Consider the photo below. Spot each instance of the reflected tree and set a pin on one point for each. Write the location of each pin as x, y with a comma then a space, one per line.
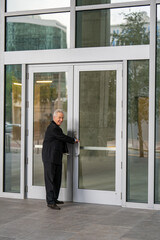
12, 90
135, 31
138, 90
8, 98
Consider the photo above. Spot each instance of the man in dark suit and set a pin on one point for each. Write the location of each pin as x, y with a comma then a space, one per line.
54, 145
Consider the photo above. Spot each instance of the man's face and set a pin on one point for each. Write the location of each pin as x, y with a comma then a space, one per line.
58, 118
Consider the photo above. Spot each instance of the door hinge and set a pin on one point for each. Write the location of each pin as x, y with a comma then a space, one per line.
121, 195
121, 134
26, 188
26, 160
122, 103
27, 75
27, 132
121, 165
27, 104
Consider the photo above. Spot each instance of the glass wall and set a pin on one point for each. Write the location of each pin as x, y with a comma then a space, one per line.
21, 5
97, 130
113, 27
37, 32
157, 121
92, 2
12, 130
137, 147
94, 28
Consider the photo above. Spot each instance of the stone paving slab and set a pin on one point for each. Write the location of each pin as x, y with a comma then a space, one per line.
30, 219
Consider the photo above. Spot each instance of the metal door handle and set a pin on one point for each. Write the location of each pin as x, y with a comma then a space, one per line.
111, 148
77, 149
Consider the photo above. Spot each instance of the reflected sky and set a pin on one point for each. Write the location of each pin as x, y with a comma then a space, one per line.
117, 14
158, 12
116, 17
20, 5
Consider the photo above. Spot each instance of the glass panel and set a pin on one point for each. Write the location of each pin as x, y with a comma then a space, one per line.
157, 122
137, 151
12, 131
97, 130
92, 2
37, 32
21, 5
113, 27
50, 93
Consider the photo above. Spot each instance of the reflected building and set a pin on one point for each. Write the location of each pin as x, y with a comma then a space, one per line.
31, 33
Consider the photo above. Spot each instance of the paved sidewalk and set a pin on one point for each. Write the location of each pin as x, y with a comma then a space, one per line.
33, 220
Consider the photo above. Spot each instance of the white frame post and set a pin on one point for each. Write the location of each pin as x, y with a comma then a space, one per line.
2, 44
124, 127
23, 134
152, 75
72, 24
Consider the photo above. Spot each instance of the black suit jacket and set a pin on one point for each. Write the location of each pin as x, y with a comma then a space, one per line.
54, 144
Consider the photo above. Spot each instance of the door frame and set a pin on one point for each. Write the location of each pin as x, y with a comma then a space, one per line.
93, 196
72, 192
39, 191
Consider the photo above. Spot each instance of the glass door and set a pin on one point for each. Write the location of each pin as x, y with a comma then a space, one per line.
98, 123
49, 88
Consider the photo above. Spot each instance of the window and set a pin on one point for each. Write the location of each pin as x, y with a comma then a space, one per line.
21, 5
92, 2
12, 130
113, 27
157, 122
137, 151
97, 130
37, 32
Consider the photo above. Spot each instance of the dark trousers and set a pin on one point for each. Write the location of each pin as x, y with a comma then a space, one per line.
52, 177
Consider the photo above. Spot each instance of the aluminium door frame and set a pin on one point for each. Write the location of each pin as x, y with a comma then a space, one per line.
39, 191
82, 195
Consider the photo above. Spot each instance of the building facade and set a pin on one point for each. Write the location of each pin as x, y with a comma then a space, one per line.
98, 60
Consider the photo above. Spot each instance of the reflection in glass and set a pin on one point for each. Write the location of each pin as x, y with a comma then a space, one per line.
97, 130
12, 131
22, 5
37, 32
137, 151
50, 93
157, 122
113, 27
92, 2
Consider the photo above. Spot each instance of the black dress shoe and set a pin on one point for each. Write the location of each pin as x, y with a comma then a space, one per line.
59, 202
53, 206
